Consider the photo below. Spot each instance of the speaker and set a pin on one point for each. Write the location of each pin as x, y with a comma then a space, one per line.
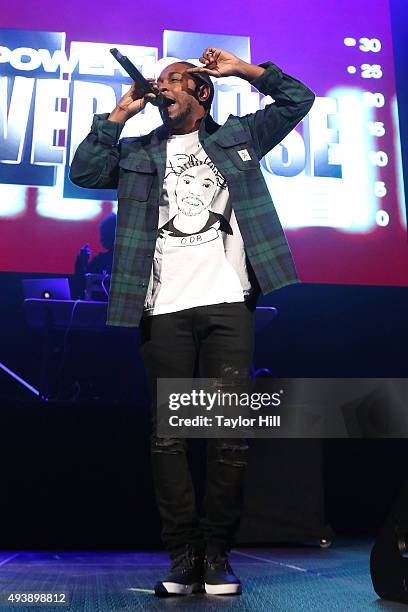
284, 496
389, 555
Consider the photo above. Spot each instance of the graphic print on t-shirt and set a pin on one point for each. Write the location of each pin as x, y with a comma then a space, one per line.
197, 184
191, 266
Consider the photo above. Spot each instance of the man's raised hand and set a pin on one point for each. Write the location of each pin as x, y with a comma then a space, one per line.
218, 63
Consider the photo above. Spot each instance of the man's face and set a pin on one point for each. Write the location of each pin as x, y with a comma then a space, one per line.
195, 190
177, 84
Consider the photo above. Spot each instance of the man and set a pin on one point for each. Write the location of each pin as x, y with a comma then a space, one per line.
101, 262
197, 239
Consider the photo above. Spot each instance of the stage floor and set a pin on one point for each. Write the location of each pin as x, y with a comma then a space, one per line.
279, 579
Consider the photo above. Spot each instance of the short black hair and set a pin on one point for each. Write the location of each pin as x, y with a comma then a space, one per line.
107, 228
201, 78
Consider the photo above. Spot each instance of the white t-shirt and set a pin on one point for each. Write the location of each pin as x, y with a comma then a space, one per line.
199, 257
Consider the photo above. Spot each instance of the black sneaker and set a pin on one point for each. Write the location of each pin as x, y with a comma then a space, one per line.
219, 578
185, 576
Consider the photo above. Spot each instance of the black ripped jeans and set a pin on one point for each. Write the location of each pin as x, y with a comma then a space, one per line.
219, 340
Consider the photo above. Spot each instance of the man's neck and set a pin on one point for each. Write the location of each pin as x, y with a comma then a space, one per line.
186, 128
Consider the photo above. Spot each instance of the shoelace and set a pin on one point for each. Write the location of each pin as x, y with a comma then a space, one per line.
184, 560
219, 561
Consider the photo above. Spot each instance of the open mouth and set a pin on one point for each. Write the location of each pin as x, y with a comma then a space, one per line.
170, 101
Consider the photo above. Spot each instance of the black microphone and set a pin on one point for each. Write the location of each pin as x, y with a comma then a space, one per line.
143, 84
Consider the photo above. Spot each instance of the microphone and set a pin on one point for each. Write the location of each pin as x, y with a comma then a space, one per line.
143, 84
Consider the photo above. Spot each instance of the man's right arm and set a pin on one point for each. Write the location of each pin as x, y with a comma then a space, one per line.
96, 160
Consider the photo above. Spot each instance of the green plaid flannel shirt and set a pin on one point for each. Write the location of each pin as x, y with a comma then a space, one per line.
136, 166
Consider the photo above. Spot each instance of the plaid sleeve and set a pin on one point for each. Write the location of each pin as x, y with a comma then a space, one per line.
95, 163
293, 100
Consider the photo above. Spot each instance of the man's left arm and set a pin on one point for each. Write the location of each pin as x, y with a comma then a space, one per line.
293, 100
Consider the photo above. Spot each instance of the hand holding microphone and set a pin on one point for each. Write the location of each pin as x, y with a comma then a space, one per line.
142, 91
131, 103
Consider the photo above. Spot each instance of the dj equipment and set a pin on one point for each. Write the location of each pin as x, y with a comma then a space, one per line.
48, 316
46, 288
97, 287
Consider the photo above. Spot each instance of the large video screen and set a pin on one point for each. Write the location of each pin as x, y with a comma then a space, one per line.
336, 180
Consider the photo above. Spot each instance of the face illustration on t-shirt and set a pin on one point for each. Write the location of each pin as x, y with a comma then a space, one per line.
195, 190
197, 183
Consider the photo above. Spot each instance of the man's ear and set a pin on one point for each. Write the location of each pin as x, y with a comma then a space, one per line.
203, 92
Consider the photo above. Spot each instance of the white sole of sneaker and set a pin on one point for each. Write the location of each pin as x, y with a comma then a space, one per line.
175, 588
222, 589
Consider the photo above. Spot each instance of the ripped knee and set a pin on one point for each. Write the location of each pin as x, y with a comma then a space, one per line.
230, 379
169, 446
230, 452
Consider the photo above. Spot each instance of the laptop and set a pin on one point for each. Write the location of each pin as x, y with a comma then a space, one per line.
46, 288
